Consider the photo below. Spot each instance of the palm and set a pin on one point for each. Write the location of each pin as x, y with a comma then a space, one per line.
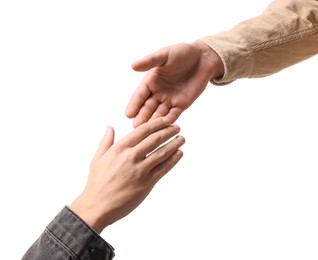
176, 76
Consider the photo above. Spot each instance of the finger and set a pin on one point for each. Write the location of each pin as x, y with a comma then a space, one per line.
164, 152
155, 140
162, 110
137, 100
165, 158
138, 120
153, 60
106, 142
146, 111
161, 169
173, 114
143, 131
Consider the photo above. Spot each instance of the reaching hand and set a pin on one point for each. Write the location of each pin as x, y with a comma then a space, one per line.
176, 77
123, 174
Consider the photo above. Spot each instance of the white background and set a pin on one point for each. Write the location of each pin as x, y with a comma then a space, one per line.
247, 185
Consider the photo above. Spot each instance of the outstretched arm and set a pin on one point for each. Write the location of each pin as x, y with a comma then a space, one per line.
121, 176
284, 34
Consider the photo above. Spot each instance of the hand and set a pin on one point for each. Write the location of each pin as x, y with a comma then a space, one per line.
122, 174
176, 77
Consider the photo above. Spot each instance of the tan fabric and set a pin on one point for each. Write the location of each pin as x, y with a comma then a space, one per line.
284, 34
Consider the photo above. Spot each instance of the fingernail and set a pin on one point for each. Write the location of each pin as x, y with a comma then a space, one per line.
179, 153
182, 139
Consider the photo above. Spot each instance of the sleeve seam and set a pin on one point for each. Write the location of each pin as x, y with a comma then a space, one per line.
284, 39
98, 237
50, 233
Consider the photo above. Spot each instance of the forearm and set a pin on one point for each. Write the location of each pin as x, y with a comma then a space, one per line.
285, 34
68, 237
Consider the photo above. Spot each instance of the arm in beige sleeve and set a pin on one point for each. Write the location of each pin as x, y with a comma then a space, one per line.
283, 35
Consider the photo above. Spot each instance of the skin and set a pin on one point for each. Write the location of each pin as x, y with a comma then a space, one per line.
176, 76
122, 174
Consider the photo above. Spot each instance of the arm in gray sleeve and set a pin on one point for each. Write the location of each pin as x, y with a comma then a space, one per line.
69, 237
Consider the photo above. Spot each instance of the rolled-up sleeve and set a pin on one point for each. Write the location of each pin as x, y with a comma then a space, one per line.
283, 35
69, 237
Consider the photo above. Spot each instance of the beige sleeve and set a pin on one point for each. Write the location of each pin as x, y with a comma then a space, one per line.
284, 34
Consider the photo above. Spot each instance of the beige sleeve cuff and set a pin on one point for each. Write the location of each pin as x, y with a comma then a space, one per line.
236, 59
285, 34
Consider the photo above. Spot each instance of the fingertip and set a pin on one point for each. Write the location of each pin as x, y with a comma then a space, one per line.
179, 154
109, 129
110, 132
171, 117
129, 112
106, 142
139, 65
131, 109
166, 120
181, 138
134, 65
138, 120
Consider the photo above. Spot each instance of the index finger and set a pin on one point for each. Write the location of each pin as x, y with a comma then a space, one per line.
137, 100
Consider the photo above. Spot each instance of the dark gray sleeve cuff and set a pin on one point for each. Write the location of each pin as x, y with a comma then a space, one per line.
69, 237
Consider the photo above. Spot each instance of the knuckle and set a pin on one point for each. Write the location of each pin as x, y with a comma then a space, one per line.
162, 153
138, 174
131, 156
118, 148
145, 128
158, 138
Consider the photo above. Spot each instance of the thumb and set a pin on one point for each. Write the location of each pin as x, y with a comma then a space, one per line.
106, 142
153, 60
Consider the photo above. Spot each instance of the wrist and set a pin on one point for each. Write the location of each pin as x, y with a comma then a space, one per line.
212, 60
89, 214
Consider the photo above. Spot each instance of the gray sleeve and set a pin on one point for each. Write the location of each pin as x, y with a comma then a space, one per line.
69, 237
